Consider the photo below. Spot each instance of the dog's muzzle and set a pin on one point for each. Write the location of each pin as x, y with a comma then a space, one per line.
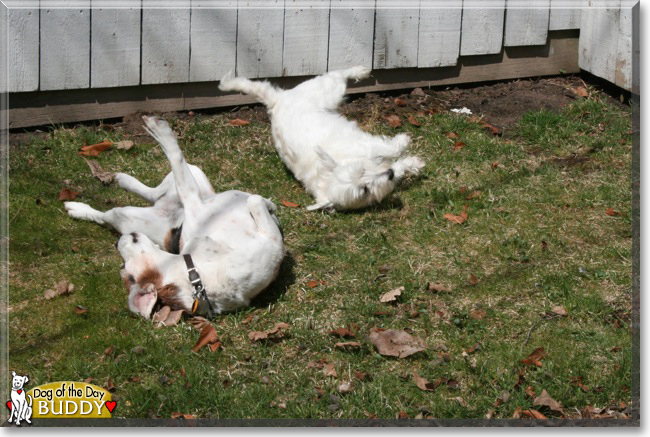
391, 174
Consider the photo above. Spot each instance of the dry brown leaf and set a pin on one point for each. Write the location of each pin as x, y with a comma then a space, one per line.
473, 280
257, 335
517, 413
478, 314
436, 287
79, 309
473, 195
535, 357
392, 295
559, 310
162, 314
545, 400
400, 102
533, 414
361, 376
530, 391
173, 318
493, 129
110, 386
394, 120
458, 145
124, 145
67, 194
342, 332
457, 219
422, 383
239, 122
395, 343
611, 212
489, 414
348, 345
177, 415
579, 382
208, 336
345, 387
199, 322
314, 284
109, 350
451, 135
411, 119
461, 401
289, 204
278, 329
329, 370
581, 91
418, 92
61, 288
96, 170
494, 165
95, 149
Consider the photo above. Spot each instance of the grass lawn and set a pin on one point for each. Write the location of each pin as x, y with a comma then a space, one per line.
543, 260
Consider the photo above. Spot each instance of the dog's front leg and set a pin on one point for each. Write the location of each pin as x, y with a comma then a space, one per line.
320, 205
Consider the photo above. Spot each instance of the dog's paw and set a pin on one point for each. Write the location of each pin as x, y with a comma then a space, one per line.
82, 211
359, 72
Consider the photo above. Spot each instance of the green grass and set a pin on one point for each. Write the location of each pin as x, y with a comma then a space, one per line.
537, 236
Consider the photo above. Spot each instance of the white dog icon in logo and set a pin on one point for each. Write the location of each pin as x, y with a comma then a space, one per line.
18, 405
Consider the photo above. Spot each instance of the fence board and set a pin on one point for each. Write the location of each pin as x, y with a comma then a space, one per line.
213, 40
527, 26
439, 34
482, 27
604, 50
115, 47
65, 48
23, 49
562, 18
306, 34
350, 36
396, 34
166, 43
260, 30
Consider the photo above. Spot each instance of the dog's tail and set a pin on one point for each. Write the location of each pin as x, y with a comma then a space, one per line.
30, 400
261, 90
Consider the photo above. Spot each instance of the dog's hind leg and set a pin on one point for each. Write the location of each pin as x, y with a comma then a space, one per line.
327, 91
133, 185
267, 223
261, 90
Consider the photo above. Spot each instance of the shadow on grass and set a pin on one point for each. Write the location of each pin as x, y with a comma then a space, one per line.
286, 278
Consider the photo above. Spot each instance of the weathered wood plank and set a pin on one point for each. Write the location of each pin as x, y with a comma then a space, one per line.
260, 30
306, 33
38, 108
115, 46
439, 33
23, 49
606, 43
396, 34
65, 48
482, 28
350, 36
166, 43
563, 18
213, 40
526, 26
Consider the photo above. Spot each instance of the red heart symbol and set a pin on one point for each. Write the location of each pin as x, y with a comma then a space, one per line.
9, 404
110, 405
19, 391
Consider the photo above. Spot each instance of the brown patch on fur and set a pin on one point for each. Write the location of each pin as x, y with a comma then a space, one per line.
150, 276
167, 242
169, 296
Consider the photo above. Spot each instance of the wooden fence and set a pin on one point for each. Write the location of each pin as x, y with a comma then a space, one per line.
96, 45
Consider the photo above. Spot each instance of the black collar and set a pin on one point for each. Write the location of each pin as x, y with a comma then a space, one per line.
201, 306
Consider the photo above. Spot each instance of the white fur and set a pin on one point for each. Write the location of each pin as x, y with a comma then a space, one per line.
233, 237
338, 163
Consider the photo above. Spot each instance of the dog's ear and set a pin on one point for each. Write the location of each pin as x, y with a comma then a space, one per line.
142, 299
13, 373
325, 159
25, 379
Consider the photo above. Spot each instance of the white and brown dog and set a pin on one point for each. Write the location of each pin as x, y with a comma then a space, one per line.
339, 164
21, 408
233, 238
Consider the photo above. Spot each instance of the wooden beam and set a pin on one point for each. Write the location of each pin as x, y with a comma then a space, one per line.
559, 55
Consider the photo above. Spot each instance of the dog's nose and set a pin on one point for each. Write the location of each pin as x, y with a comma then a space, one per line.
391, 174
116, 241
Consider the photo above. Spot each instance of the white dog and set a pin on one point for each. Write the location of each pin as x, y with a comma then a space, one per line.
222, 249
338, 163
20, 408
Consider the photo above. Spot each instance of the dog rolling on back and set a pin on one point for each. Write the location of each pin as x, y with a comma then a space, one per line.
339, 164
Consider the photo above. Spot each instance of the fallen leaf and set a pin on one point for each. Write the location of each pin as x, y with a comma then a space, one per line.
342, 332
502, 399
411, 119
473, 348
422, 383
534, 414
489, 414
347, 345
239, 122
61, 288
473, 195
199, 322
544, 400
400, 102
457, 219
67, 194
611, 212
473, 280
177, 415
461, 401
257, 335
289, 204
89, 380
535, 357
161, 315
530, 391
394, 120
580, 91
517, 413
437, 288
208, 336
345, 387
451, 135
329, 370
96, 170
173, 318
493, 129
544, 245
478, 314
278, 329
579, 382
109, 350
392, 295
95, 149
395, 343
314, 284
362, 376
124, 145
458, 145
79, 309
402, 415
418, 92
560, 311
